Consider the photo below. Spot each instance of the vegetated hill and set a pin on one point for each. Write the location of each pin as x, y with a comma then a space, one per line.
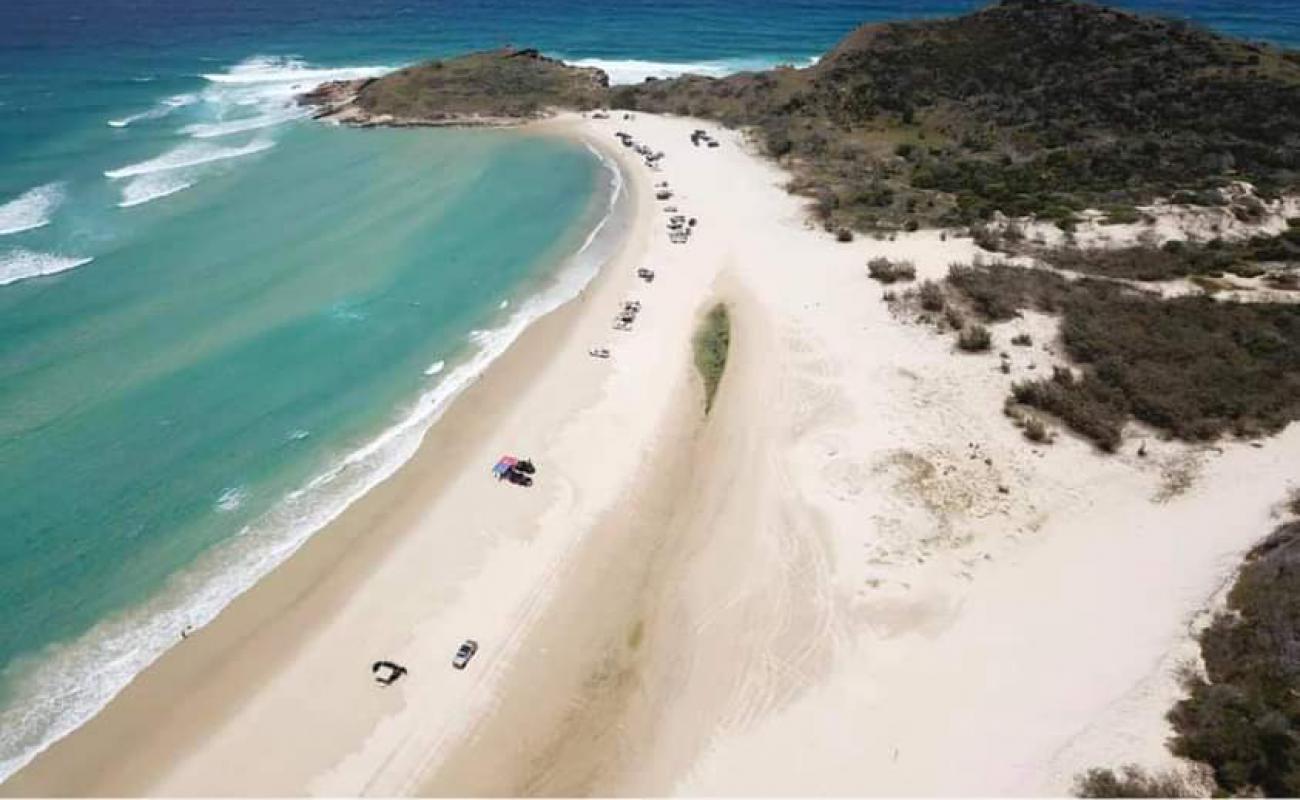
516, 84
1027, 106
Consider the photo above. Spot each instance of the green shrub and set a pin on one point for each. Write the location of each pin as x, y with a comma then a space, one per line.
1133, 781
1243, 717
1121, 215
1036, 430
712, 342
931, 296
974, 339
886, 271
1090, 407
999, 291
1022, 340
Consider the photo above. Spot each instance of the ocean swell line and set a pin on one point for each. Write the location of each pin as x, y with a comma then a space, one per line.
58, 690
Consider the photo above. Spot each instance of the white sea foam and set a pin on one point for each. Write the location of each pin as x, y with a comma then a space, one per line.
159, 111
258, 94
57, 690
268, 87
154, 186
435, 368
625, 71
31, 209
280, 69
189, 155
231, 499
211, 130
18, 265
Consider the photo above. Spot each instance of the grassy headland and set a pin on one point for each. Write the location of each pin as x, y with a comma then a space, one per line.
498, 86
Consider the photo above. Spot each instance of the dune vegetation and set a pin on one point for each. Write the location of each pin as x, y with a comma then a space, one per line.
712, 342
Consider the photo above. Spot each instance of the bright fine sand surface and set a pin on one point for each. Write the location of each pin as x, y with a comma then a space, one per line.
855, 576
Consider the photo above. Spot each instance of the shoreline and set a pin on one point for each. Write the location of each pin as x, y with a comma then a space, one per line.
251, 608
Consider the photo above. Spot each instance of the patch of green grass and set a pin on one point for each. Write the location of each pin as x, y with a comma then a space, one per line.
712, 341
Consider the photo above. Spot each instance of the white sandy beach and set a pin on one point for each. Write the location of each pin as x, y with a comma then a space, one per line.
855, 577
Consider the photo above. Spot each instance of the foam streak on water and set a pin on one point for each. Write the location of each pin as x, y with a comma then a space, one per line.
56, 691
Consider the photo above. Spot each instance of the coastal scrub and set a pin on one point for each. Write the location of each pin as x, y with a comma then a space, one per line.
712, 341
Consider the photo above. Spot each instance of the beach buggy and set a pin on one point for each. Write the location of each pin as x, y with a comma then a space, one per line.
517, 471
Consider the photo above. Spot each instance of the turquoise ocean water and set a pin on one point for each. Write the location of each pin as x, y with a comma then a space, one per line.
220, 322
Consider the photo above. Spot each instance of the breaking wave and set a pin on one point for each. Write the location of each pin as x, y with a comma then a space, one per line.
30, 210
255, 95
188, 155
625, 71
147, 188
19, 265
279, 69
157, 112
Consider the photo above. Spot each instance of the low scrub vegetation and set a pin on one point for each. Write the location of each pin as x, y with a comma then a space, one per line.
1242, 717
712, 342
1087, 405
974, 339
1133, 781
931, 296
886, 271
1178, 259
1190, 366
1036, 431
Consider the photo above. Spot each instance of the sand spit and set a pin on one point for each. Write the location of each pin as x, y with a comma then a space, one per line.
853, 577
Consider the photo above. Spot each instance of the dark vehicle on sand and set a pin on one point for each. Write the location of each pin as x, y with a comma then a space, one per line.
464, 653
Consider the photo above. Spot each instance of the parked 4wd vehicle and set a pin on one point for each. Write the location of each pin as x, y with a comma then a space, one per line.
464, 654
